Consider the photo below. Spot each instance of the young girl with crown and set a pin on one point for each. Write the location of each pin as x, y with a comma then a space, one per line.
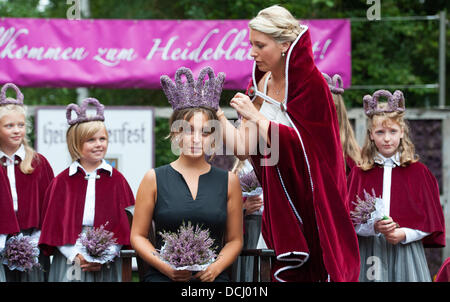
350, 148
88, 196
404, 213
28, 175
189, 189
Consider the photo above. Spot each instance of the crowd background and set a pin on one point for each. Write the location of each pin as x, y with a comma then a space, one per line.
383, 53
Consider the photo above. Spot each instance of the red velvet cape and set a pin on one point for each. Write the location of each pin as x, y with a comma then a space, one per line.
30, 196
64, 205
444, 272
8, 221
415, 201
349, 164
312, 171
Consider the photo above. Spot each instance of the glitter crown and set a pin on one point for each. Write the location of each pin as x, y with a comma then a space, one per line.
81, 112
335, 84
6, 101
191, 93
395, 102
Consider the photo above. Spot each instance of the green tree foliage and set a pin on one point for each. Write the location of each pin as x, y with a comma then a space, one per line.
383, 52
163, 153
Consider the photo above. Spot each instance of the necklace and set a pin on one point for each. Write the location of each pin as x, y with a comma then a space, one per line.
277, 91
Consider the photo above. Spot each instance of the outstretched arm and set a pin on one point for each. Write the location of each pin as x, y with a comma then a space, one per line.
244, 139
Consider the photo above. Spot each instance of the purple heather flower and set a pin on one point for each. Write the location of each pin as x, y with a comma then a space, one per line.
21, 253
249, 181
189, 246
363, 208
97, 241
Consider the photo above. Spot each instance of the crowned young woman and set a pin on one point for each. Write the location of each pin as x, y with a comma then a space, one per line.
189, 189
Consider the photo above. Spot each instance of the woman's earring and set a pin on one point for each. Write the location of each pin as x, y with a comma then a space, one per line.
283, 54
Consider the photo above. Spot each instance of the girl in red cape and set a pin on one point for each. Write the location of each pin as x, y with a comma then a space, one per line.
305, 218
89, 193
350, 148
406, 213
27, 175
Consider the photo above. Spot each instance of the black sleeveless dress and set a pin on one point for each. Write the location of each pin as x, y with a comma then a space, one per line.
174, 204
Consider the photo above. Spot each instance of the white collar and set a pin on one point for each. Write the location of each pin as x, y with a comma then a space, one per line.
20, 153
73, 168
393, 160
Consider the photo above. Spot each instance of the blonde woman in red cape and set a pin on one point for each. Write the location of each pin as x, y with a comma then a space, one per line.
305, 219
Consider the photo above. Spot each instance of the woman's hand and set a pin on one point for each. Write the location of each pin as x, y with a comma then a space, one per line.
178, 275
252, 204
396, 236
219, 113
385, 226
244, 106
208, 275
88, 266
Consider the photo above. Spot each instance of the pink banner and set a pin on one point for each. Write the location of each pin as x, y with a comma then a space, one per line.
135, 53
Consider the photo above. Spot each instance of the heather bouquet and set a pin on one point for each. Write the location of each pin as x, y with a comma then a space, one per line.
250, 185
21, 253
190, 248
97, 244
369, 209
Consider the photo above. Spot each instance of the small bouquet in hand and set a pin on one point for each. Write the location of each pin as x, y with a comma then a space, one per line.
188, 249
21, 253
368, 208
97, 245
250, 185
